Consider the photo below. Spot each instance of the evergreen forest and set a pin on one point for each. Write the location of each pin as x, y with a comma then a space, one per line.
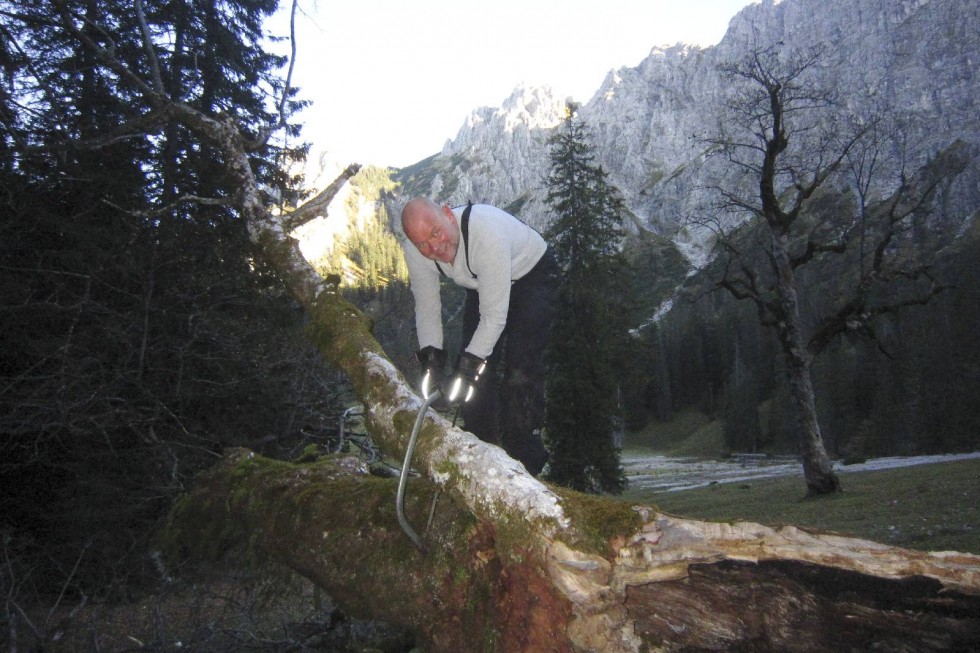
141, 337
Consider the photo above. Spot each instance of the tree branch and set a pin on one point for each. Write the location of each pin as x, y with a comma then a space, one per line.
148, 48
317, 206
813, 248
164, 210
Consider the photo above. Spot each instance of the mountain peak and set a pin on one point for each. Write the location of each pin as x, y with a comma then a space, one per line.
913, 58
527, 108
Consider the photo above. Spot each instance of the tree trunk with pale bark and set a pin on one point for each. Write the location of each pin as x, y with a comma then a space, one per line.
604, 576
818, 471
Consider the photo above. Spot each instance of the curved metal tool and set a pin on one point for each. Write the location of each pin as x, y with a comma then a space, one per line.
406, 465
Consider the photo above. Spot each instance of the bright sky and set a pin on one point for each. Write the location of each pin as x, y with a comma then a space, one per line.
391, 80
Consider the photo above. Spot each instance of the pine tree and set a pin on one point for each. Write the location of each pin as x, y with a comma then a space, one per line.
590, 323
148, 337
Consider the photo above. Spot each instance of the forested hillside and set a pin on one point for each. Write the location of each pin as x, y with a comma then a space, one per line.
914, 390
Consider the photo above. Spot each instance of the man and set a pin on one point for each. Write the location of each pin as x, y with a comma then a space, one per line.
511, 280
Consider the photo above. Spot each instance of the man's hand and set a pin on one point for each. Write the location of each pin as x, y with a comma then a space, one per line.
462, 384
434, 362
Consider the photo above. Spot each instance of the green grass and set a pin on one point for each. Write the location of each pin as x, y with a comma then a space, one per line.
933, 507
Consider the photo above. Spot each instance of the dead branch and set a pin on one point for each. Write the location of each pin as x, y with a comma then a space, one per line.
317, 206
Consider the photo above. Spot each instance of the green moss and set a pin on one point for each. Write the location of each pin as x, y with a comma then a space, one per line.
449, 468
404, 422
309, 453
194, 532
340, 330
250, 466
597, 520
511, 537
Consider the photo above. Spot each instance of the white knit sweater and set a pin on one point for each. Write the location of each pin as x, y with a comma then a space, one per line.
502, 249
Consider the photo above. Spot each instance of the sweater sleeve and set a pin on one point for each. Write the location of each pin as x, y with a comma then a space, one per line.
424, 279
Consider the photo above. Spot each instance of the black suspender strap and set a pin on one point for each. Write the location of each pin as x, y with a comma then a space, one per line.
464, 226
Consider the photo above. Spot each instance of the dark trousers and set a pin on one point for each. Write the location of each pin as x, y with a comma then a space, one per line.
508, 407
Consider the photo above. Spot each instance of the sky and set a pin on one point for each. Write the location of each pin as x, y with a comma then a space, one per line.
392, 80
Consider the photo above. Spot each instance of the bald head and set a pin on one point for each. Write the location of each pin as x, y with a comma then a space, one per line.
431, 228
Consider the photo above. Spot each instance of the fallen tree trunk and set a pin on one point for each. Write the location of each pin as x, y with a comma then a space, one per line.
615, 578
519, 566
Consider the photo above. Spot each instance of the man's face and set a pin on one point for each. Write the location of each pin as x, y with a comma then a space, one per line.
434, 234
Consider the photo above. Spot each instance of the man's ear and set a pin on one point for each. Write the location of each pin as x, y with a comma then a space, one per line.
448, 212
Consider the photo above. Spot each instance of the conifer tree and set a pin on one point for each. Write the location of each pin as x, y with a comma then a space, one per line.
148, 334
590, 322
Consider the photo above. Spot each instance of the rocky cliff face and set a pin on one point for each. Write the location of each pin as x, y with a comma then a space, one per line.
914, 59
499, 156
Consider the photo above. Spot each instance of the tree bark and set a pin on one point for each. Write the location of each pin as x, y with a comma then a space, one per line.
818, 472
513, 565
615, 578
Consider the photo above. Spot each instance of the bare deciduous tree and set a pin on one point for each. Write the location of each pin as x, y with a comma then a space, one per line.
789, 137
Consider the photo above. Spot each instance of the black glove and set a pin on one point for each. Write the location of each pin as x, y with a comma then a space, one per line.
462, 384
434, 362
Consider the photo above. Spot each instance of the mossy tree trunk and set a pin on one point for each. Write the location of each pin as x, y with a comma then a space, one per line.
616, 578
512, 565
